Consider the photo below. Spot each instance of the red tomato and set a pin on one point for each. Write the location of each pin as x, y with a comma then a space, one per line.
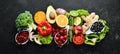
78, 39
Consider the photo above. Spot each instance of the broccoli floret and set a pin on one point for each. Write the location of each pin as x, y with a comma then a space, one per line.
25, 20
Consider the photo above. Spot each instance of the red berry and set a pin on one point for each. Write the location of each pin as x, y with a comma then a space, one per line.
61, 37
59, 42
64, 40
61, 32
65, 36
56, 38
65, 31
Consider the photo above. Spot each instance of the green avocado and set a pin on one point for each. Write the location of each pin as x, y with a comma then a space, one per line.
50, 9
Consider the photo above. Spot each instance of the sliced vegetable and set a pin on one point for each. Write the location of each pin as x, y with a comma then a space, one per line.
44, 28
91, 39
78, 39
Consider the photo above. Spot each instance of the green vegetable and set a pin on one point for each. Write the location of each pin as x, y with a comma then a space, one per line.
91, 39
25, 20
97, 37
83, 12
73, 13
67, 14
71, 21
45, 39
70, 34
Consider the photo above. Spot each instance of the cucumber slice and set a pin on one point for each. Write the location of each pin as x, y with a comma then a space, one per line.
77, 21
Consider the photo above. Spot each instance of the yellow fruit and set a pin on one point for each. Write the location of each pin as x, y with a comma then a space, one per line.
61, 20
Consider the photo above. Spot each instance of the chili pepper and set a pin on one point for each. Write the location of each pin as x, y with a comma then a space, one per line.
44, 28
70, 34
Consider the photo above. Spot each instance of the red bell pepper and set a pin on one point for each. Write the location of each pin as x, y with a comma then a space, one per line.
44, 28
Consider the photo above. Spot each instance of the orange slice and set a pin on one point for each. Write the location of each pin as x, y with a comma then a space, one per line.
61, 20
39, 17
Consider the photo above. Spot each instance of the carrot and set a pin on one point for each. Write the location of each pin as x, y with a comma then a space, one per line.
39, 17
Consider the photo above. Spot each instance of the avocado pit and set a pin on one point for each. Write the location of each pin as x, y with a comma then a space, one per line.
52, 15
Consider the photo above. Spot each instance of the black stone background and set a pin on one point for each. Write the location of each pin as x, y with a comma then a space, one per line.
106, 9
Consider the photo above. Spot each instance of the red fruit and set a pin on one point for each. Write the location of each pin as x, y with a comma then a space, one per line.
65, 36
61, 37
58, 35
63, 40
65, 31
78, 39
56, 38
61, 32
77, 30
59, 42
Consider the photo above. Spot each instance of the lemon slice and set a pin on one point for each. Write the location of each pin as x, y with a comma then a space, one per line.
77, 21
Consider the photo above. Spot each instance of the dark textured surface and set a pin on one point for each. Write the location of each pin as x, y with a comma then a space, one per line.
106, 9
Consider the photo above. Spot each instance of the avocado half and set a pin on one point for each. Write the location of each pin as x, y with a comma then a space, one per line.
50, 9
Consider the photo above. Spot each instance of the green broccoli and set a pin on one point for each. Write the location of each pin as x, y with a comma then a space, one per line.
25, 20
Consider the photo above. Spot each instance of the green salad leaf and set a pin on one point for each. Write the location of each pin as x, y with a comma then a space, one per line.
45, 39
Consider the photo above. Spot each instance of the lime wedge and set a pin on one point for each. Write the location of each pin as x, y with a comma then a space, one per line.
77, 21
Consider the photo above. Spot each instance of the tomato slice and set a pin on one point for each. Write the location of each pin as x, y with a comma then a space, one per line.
78, 40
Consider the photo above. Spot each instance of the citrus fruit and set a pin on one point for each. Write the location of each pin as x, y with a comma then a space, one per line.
39, 17
61, 20
77, 21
